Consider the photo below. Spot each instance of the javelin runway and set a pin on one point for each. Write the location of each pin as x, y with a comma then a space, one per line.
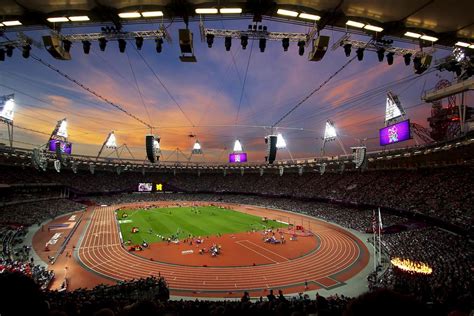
339, 257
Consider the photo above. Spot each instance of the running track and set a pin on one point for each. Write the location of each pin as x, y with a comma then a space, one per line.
339, 257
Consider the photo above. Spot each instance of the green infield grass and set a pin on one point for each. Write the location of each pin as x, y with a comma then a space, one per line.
158, 223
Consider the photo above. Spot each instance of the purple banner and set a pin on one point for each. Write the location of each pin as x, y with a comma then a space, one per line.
65, 147
395, 133
238, 157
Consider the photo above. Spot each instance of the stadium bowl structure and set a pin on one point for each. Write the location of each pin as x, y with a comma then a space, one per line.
338, 256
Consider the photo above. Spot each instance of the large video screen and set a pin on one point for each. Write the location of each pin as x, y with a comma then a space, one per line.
145, 187
395, 133
65, 146
238, 157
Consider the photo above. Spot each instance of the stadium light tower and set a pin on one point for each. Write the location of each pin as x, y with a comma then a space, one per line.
111, 143
330, 134
7, 112
197, 150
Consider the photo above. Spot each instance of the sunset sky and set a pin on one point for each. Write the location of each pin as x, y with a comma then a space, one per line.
208, 93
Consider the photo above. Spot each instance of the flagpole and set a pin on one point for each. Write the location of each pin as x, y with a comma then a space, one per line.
380, 237
375, 245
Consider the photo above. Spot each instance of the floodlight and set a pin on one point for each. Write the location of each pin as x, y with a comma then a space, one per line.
355, 24
210, 40
197, 148
281, 143
301, 45
111, 141
152, 14
309, 16
429, 38
330, 131
347, 49
9, 50
206, 11
59, 19
102, 43
7, 107
262, 43
26, 51
2, 54
287, 13
237, 146
285, 43
360, 53
244, 40
62, 130
159, 44
86, 47
129, 15
139, 42
122, 45
67, 45
156, 145
407, 58
228, 43
79, 18
230, 10
462, 44
393, 107
412, 34
381, 54
11, 23
390, 58
373, 28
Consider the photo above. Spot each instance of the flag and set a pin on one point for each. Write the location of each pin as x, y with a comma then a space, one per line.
380, 220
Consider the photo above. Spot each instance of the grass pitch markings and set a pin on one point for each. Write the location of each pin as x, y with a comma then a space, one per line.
158, 223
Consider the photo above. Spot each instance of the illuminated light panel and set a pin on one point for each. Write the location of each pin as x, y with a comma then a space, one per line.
129, 15
462, 44
7, 108
1, 24
429, 38
111, 141
411, 266
58, 19
230, 10
206, 11
79, 18
307, 16
11, 23
471, 46
373, 28
287, 13
197, 146
329, 131
237, 146
412, 34
151, 14
355, 24
62, 131
281, 143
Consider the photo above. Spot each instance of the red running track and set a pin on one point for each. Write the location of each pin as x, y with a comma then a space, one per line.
340, 256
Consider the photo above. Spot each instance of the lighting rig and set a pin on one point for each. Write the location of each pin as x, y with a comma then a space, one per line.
260, 33
460, 61
7, 112
384, 48
59, 45
22, 42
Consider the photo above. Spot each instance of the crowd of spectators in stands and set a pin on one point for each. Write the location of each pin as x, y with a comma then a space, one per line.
450, 256
27, 214
443, 193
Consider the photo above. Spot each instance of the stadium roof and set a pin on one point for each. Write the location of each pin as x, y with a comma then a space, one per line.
449, 21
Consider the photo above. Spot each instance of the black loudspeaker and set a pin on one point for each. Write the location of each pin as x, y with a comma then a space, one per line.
58, 150
150, 148
271, 141
54, 46
320, 46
